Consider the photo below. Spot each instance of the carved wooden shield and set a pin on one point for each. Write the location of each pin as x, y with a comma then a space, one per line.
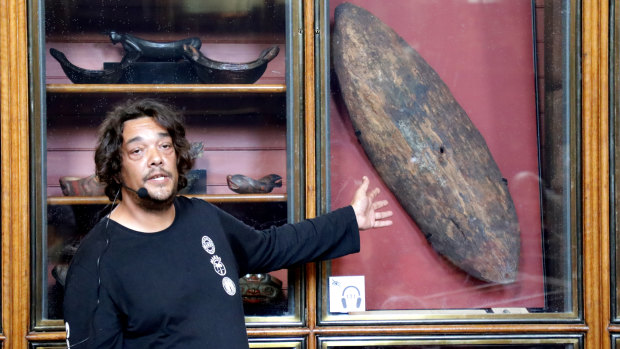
425, 147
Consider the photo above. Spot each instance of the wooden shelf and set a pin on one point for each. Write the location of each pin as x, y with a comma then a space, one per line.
157, 88
240, 38
218, 198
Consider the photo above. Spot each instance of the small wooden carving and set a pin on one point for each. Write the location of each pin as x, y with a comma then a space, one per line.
245, 185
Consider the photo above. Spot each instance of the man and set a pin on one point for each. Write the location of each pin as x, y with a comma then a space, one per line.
161, 270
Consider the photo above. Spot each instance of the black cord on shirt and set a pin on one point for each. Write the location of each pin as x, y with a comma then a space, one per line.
105, 248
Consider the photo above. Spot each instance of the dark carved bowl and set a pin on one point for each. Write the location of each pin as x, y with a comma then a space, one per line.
79, 75
214, 72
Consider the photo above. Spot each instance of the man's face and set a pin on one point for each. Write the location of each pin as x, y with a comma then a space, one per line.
148, 159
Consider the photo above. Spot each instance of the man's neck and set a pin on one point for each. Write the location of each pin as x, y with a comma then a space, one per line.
131, 215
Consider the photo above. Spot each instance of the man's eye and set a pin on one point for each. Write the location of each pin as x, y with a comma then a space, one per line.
135, 153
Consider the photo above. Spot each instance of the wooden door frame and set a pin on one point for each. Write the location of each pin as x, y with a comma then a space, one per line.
15, 173
595, 171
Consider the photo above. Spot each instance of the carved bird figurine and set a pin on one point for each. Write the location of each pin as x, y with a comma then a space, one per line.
245, 185
210, 71
170, 51
85, 76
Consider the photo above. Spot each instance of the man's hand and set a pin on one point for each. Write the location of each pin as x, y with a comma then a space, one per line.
366, 210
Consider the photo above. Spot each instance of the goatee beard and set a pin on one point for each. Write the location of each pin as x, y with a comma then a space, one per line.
157, 205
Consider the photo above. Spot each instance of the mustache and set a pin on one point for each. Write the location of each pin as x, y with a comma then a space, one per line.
156, 172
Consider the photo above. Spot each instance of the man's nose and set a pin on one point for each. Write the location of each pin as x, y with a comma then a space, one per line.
155, 157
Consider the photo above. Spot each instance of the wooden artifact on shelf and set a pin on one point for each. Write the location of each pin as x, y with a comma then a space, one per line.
425, 147
79, 75
86, 186
158, 63
175, 62
214, 72
260, 288
164, 51
245, 185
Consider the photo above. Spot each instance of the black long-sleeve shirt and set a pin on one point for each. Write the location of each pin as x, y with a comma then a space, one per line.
179, 287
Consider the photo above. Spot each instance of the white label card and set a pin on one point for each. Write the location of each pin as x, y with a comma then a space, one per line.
347, 294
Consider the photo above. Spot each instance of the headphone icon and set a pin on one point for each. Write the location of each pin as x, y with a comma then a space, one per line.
356, 294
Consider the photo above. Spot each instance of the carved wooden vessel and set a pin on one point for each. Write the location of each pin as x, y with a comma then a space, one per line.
79, 75
214, 72
425, 147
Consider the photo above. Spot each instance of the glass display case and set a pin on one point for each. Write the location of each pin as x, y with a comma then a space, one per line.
464, 114
255, 343
292, 343
453, 342
227, 66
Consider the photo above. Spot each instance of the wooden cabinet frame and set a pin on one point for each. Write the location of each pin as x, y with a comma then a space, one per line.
15, 159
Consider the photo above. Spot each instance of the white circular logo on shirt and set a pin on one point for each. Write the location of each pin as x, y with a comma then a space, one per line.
68, 330
219, 267
208, 244
229, 286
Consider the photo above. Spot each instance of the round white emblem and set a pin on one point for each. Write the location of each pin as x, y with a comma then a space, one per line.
68, 330
219, 267
208, 244
229, 286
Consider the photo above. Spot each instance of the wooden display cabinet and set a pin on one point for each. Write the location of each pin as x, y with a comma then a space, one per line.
292, 110
246, 128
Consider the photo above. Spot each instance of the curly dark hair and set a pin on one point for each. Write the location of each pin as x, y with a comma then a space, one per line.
108, 156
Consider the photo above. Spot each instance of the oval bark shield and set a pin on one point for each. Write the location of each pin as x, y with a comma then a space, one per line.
425, 147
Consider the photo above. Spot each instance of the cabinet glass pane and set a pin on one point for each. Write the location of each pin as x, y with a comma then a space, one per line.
224, 65
254, 343
468, 127
277, 343
615, 341
452, 342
